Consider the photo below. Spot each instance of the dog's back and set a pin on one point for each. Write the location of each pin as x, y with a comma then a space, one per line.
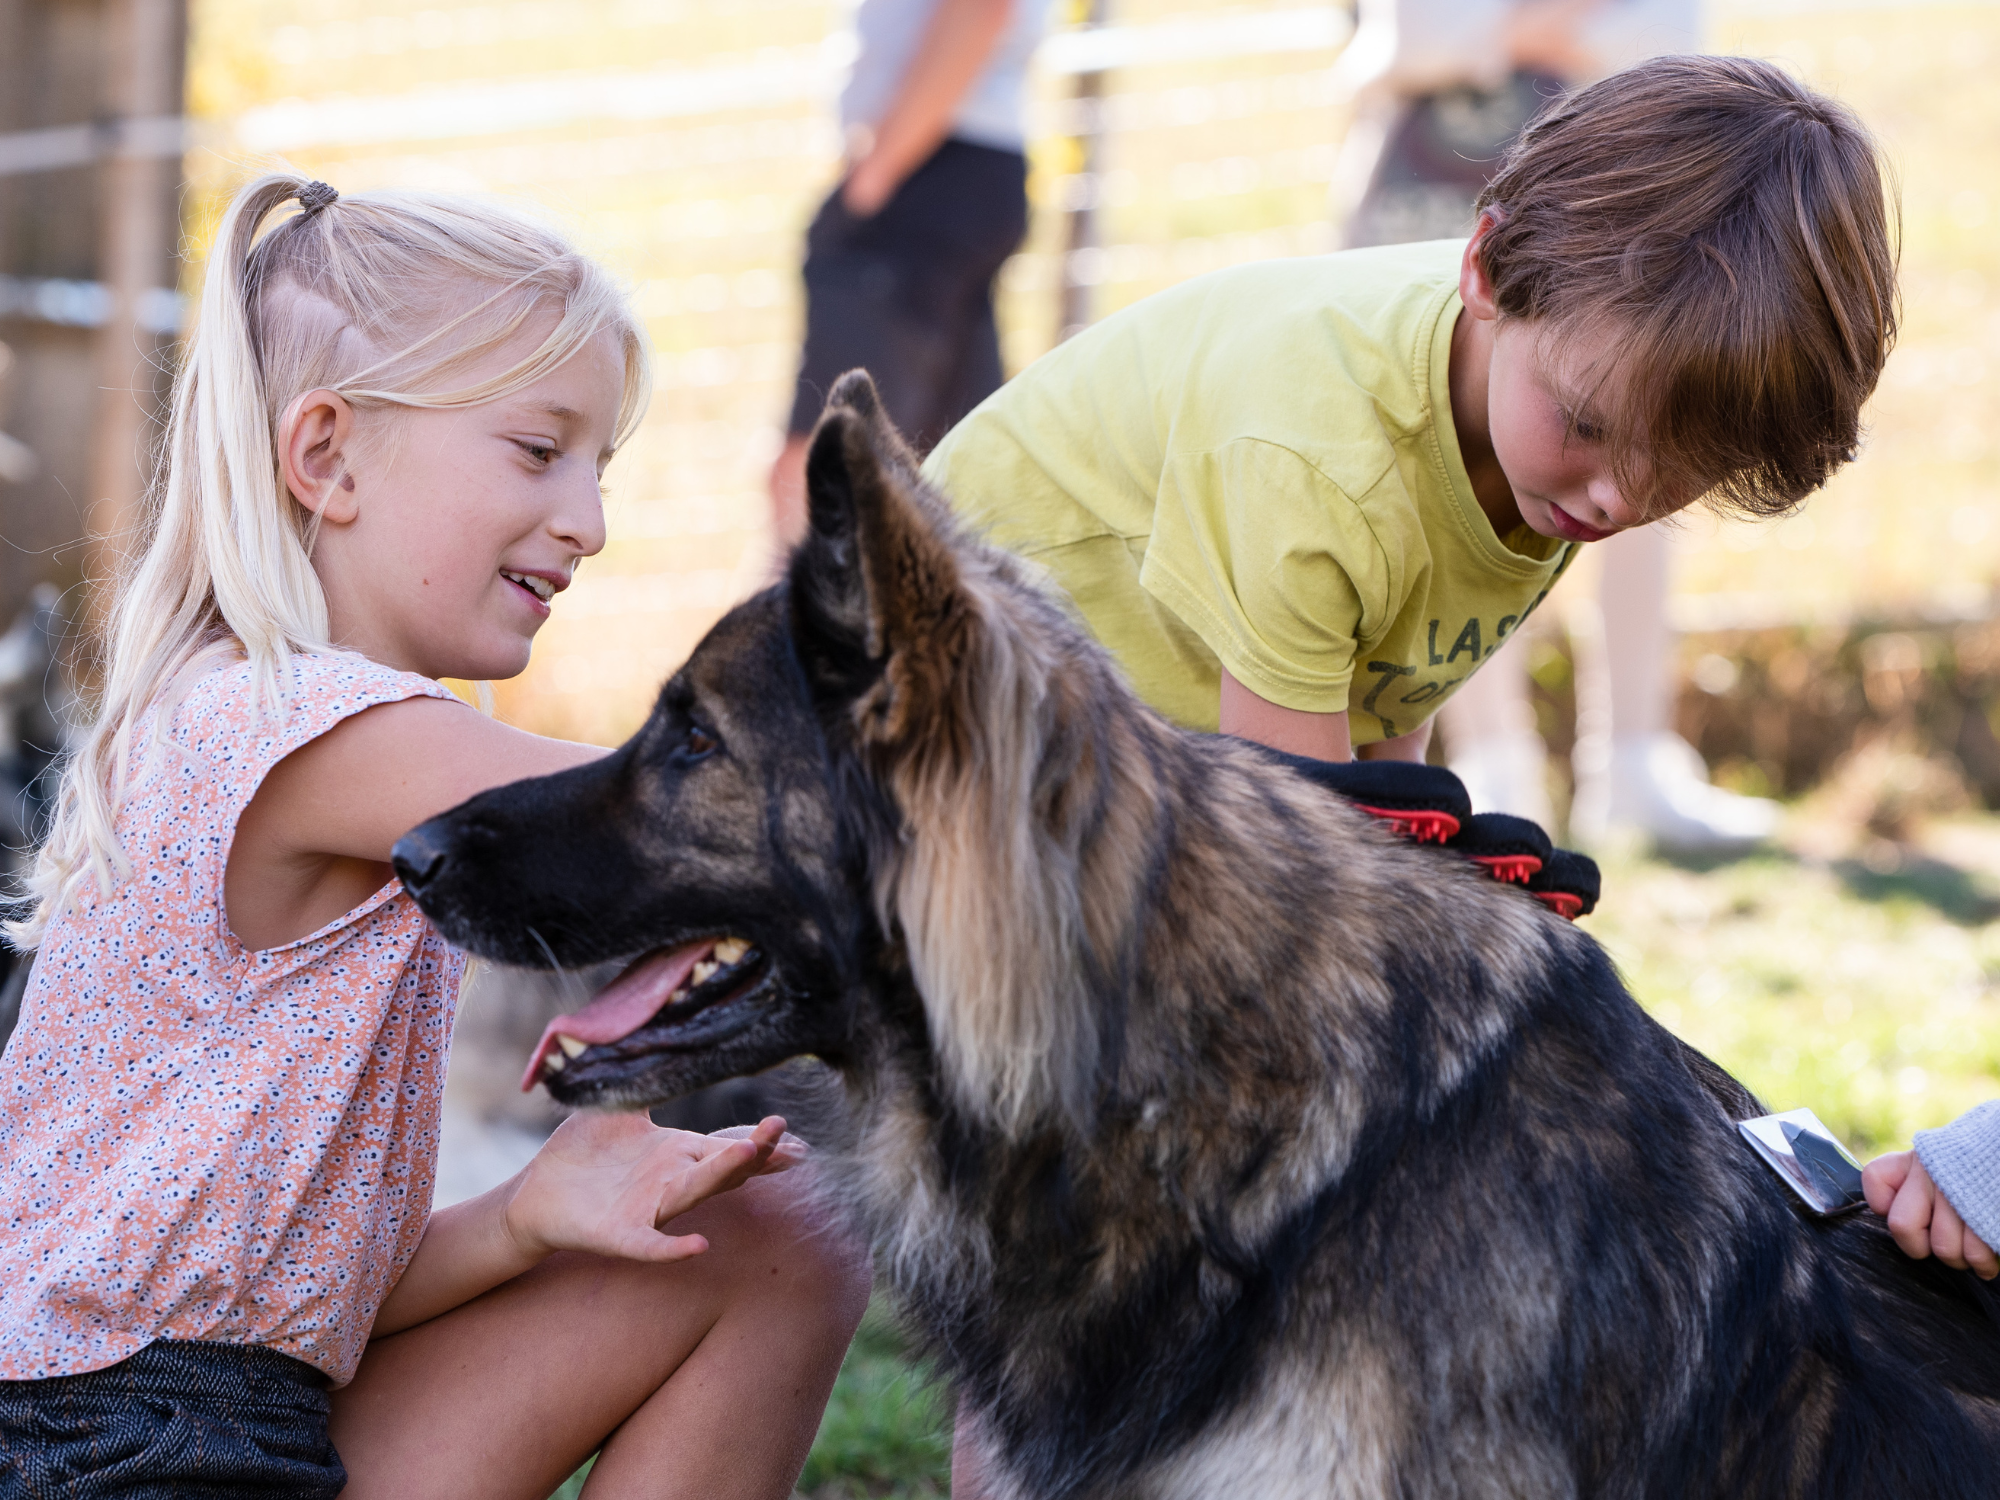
1400, 1192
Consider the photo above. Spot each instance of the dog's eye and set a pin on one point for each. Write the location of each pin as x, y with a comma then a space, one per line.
696, 744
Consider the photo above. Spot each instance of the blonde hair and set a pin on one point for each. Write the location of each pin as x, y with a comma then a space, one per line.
385, 298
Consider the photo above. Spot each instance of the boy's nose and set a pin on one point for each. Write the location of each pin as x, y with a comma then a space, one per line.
1611, 504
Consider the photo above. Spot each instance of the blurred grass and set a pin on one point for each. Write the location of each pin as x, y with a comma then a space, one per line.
1865, 984
887, 1430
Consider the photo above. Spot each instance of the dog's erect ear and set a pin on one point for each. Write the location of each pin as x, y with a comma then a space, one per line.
878, 612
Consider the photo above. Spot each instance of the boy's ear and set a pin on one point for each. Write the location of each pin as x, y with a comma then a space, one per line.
1475, 287
878, 609
315, 436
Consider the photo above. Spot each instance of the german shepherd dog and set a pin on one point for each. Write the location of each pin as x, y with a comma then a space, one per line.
1215, 1141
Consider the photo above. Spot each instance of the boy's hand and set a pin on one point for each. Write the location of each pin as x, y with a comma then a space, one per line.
607, 1182
1921, 1218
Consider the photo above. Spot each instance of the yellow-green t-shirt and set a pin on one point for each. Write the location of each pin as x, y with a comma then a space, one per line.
1257, 470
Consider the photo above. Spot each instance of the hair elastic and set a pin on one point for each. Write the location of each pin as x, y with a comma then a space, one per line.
315, 196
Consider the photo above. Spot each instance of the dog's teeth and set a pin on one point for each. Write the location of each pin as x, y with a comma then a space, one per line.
705, 971
731, 950
570, 1044
678, 995
555, 1062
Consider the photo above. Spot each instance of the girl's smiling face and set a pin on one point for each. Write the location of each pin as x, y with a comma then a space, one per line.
444, 535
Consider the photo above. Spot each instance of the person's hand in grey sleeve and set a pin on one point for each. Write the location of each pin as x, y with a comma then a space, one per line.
1943, 1198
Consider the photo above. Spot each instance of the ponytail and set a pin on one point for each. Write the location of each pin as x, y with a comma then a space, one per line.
222, 569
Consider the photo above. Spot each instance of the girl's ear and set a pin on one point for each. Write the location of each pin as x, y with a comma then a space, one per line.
315, 438
1475, 287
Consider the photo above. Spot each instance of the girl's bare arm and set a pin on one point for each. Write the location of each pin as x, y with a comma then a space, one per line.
604, 1183
314, 842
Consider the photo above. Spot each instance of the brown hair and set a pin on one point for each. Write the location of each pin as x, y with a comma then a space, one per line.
1732, 226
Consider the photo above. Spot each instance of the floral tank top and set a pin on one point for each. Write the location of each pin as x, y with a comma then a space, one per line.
198, 1141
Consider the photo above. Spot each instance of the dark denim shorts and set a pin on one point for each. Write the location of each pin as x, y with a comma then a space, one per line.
176, 1421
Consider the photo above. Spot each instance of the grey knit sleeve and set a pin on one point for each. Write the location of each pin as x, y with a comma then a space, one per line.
1963, 1159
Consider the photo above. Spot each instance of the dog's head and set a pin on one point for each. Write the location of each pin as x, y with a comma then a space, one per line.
884, 764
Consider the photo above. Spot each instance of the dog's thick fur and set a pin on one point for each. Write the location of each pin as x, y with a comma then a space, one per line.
1215, 1142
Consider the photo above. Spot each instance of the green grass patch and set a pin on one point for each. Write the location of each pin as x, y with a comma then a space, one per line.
886, 1434
1871, 995
887, 1429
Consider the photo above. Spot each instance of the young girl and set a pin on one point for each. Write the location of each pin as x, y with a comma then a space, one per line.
218, 1117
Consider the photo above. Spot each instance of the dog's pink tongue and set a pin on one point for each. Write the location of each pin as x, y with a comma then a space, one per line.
622, 1006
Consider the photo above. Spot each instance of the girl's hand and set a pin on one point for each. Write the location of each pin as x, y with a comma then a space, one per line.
1921, 1218
607, 1182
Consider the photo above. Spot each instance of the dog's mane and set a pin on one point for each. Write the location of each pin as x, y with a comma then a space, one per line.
1011, 755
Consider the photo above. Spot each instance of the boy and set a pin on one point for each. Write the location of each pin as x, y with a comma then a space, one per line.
1303, 500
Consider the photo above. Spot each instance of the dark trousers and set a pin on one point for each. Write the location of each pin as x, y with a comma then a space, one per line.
907, 294
176, 1421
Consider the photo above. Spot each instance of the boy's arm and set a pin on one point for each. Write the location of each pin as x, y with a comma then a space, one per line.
1297, 732
1293, 730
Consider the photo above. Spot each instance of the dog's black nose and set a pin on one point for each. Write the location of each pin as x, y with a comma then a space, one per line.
418, 857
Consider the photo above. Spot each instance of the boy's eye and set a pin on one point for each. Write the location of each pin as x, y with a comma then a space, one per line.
1583, 429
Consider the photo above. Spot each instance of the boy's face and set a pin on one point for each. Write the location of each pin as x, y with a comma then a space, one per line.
1547, 427
1544, 400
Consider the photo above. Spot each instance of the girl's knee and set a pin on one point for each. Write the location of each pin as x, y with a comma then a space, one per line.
782, 1241
811, 1232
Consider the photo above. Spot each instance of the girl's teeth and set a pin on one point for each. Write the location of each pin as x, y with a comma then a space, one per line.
541, 588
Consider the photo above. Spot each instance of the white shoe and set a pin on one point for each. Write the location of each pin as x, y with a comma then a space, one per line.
1507, 773
1659, 787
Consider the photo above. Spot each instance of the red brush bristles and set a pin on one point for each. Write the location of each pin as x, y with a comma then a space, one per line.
1425, 825
1515, 869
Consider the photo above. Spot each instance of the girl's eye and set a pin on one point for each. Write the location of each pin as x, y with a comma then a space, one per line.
697, 744
541, 453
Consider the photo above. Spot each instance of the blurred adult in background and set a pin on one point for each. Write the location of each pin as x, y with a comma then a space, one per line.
1442, 88
901, 257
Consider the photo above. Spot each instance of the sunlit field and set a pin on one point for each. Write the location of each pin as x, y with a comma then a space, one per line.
687, 142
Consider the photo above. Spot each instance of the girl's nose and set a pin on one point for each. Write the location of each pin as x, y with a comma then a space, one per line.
579, 521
